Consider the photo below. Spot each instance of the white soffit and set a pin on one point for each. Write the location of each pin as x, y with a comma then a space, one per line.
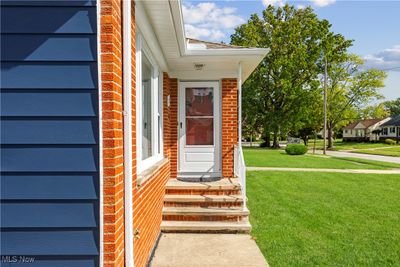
166, 21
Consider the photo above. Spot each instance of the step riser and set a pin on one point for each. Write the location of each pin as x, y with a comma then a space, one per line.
203, 204
203, 218
214, 207
202, 192
205, 231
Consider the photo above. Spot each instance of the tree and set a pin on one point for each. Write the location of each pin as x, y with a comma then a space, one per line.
251, 117
393, 107
286, 80
378, 111
312, 120
349, 89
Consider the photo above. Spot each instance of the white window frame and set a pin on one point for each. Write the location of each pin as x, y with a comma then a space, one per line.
156, 100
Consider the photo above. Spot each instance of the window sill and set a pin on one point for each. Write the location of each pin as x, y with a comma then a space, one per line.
149, 172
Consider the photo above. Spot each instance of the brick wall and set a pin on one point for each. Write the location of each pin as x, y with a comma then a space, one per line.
229, 124
148, 201
174, 127
148, 198
112, 131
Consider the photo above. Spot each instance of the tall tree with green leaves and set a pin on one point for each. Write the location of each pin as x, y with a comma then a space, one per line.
349, 89
378, 111
287, 79
393, 107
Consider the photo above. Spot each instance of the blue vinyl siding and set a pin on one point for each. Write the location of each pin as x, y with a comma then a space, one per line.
49, 133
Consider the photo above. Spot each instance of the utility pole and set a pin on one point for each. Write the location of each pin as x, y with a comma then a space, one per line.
325, 103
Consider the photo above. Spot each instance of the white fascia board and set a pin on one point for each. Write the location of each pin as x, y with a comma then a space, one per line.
177, 17
203, 75
238, 52
144, 25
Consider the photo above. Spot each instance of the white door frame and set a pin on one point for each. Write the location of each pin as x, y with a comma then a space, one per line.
183, 171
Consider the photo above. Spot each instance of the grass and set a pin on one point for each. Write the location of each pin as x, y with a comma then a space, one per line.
388, 151
325, 219
339, 145
258, 157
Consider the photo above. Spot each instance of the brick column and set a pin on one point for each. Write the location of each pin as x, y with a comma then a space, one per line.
229, 124
166, 116
112, 131
174, 127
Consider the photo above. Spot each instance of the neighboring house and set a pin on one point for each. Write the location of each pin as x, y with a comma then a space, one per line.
391, 129
103, 105
363, 130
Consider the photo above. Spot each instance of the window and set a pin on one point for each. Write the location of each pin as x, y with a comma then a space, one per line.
148, 108
385, 131
147, 71
392, 130
345, 131
199, 113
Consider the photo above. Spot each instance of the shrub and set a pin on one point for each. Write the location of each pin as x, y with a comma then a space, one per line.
390, 141
264, 144
296, 149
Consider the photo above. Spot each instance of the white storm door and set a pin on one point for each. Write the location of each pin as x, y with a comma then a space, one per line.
199, 129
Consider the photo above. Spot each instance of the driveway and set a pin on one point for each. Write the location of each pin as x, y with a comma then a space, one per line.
343, 154
207, 250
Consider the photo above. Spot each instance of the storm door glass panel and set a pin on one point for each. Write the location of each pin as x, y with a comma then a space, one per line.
146, 108
199, 111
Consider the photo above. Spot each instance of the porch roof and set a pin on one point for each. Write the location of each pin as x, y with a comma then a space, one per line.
161, 23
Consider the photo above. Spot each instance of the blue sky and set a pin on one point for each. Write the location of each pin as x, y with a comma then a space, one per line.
374, 26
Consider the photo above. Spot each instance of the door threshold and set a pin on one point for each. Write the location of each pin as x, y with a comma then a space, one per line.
198, 177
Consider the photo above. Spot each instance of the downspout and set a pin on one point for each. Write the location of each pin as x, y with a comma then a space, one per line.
240, 104
127, 99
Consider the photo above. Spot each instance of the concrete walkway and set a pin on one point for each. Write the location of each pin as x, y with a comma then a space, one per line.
207, 250
343, 154
394, 171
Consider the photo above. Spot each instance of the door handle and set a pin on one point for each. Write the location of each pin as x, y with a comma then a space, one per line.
180, 124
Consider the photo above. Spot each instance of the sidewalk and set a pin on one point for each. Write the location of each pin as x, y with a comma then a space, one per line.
396, 171
343, 154
207, 250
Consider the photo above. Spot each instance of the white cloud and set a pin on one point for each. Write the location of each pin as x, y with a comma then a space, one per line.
273, 2
199, 33
208, 21
386, 59
318, 3
322, 3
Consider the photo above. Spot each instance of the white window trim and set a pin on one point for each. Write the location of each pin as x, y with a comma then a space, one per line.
157, 87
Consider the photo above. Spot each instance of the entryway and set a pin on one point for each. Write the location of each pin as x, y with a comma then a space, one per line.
199, 130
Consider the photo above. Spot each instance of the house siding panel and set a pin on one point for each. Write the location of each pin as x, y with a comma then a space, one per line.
49, 132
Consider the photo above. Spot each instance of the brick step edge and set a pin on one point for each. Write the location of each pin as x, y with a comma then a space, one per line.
205, 227
228, 184
200, 211
203, 198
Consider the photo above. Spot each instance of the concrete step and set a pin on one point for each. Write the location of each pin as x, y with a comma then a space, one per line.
205, 226
205, 211
203, 198
223, 184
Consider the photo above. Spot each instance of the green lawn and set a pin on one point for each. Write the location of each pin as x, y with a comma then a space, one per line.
325, 219
339, 145
390, 151
259, 157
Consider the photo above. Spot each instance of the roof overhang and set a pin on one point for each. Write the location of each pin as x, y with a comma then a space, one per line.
164, 24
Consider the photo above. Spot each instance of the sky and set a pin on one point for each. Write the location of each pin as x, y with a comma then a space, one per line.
373, 25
